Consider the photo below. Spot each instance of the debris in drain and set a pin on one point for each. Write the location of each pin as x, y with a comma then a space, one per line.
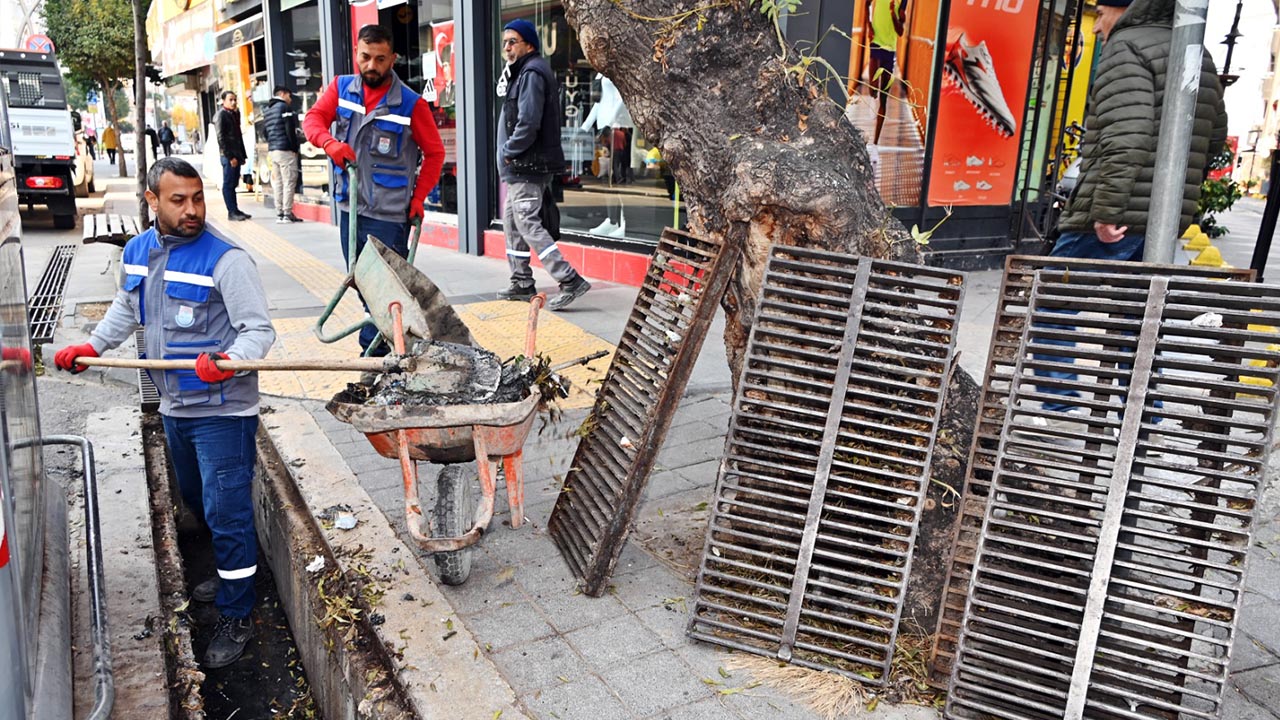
316, 565
339, 516
518, 377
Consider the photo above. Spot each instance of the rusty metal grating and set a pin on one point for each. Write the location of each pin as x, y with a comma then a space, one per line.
686, 279
818, 502
1110, 567
45, 304
1011, 312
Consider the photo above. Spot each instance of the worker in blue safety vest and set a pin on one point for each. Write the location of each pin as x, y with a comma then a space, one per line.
196, 295
382, 127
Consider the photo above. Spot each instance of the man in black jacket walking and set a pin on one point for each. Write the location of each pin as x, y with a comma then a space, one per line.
167, 138
231, 146
281, 122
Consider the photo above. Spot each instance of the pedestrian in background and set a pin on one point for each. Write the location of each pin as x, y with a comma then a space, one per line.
380, 127
1106, 218
205, 301
110, 142
231, 146
281, 126
167, 138
529, 156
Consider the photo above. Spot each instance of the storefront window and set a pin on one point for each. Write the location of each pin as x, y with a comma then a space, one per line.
303, 77
616, 183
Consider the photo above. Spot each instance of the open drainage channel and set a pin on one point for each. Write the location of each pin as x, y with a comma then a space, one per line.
321, 623
268, 680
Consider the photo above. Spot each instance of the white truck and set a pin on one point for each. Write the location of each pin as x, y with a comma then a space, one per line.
42, 133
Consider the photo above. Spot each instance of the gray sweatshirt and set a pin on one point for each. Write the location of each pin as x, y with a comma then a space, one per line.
236, 281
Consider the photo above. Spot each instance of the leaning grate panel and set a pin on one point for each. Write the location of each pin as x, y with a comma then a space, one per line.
1011, 314
45, 304
1109, 571
686, 279
818, 502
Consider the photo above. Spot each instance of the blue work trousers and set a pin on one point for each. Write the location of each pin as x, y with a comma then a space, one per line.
214, 458
1081, 245
230, 180
393, 235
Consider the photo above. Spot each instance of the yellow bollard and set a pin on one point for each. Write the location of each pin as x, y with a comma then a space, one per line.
1191, 232
1209, 257
1197, 242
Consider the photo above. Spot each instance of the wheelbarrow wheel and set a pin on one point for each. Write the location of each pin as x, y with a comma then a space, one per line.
455, 509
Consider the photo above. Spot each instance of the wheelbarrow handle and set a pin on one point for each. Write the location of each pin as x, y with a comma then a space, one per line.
531, 332
328, 311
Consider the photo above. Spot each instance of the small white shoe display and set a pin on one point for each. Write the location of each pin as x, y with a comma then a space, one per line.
605, 228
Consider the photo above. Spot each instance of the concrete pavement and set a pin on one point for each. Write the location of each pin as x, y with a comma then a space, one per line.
624, 655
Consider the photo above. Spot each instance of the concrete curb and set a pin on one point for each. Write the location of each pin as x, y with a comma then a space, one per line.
418, 660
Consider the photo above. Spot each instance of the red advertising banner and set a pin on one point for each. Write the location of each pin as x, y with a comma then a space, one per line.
983, 102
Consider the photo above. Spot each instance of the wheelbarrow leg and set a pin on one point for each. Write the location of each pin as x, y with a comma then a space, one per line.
412, 505
488, 483
512, 468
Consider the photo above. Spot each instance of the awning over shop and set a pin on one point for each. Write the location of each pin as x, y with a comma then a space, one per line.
187, 41
242, 33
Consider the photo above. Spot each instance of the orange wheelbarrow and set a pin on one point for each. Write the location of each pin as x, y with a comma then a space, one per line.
451, 435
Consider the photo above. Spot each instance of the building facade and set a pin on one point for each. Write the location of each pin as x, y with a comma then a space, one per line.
617, 193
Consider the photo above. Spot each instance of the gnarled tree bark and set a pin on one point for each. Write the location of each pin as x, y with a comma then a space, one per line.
762, 155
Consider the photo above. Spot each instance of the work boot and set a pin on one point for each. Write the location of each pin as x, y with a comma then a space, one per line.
205, 591
568, 294
518, 292
230, 636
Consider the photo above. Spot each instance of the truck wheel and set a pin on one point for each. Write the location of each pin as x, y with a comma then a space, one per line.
92, 187
455, 509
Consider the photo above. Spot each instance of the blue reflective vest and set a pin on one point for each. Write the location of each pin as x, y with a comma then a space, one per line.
182, 316
386, 155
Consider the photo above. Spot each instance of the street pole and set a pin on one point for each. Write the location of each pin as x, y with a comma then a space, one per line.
1182, 85
1268, 229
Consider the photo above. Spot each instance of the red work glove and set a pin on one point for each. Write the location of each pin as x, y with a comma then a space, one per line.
340, 153
207, 371
19, 357
417, 209
65, 358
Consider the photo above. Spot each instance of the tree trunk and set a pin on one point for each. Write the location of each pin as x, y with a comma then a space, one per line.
140, 98
109, 88
761, 154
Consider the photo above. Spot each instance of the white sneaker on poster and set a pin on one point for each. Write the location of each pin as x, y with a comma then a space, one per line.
960, 186
984, 185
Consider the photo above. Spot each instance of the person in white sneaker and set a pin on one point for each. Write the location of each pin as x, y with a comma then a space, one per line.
281, 123
529, 156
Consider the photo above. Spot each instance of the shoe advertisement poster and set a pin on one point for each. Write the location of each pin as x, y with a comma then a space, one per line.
983, 102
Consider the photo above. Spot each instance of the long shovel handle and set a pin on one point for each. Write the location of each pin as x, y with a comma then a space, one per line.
389, 363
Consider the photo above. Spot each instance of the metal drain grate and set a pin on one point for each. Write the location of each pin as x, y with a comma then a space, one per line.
1110, 568
45, 304
819, 497
634, 408
148, 395
1010, 318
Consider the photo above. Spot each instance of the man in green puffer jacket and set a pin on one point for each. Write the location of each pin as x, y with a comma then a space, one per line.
1107, 216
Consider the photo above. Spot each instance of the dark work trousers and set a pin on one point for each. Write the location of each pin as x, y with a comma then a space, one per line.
213, 459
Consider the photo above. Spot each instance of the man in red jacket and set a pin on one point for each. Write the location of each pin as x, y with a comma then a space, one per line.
375, 126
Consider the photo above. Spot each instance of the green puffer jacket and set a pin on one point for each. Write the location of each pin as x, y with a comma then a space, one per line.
1123, 124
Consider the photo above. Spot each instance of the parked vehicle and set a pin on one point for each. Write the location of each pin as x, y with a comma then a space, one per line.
35, 604
42, 133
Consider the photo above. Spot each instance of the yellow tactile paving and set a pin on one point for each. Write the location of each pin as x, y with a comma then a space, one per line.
497, 325
500, 326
